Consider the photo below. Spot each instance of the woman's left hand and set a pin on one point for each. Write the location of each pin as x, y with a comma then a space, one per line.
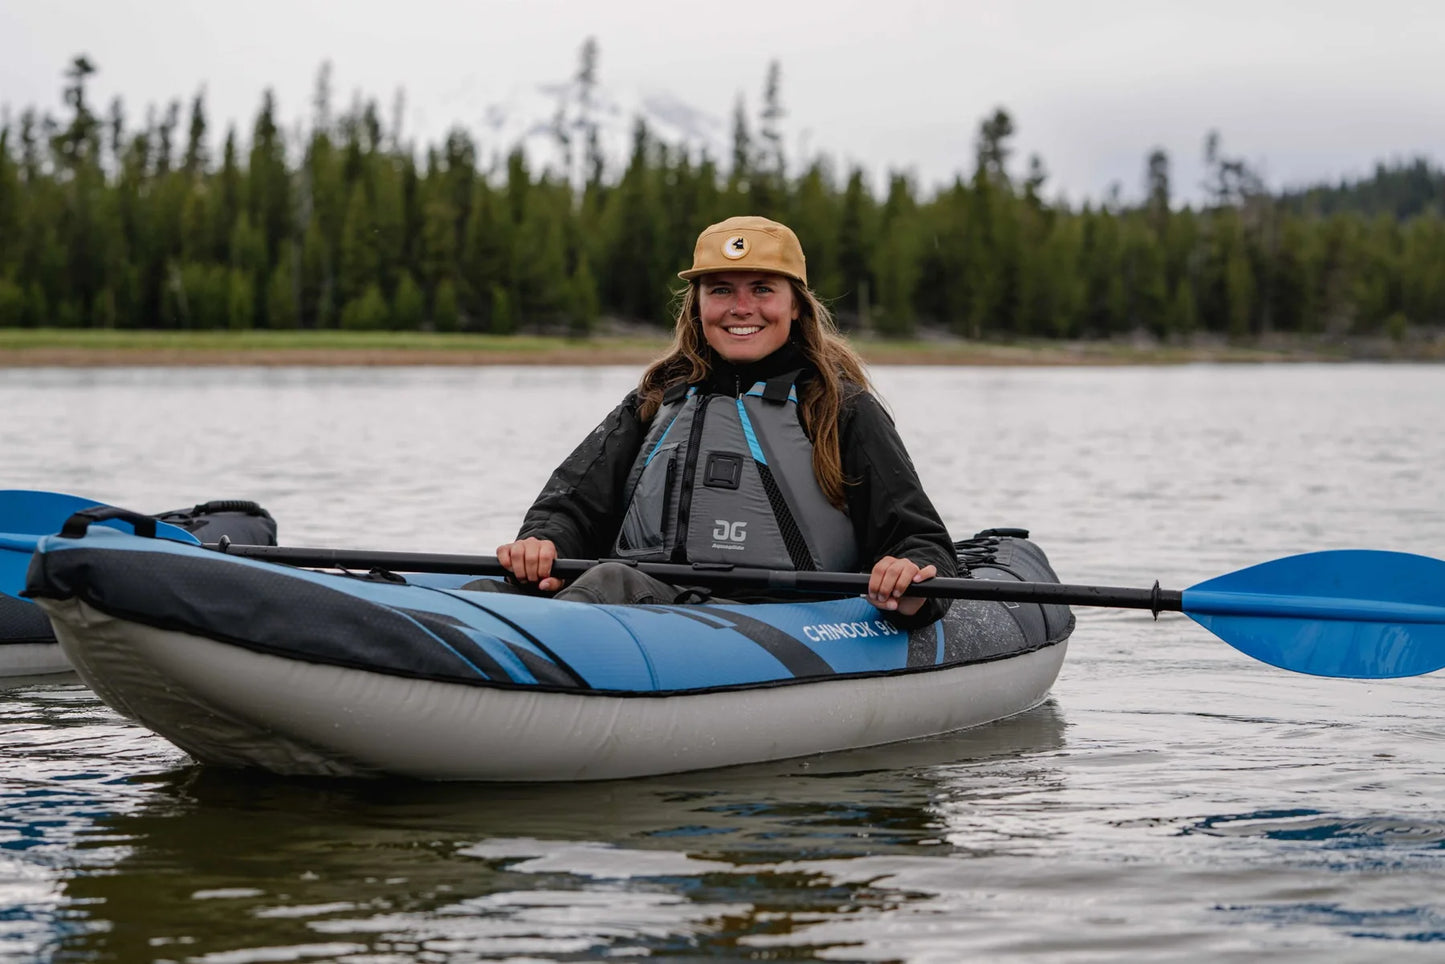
890, 577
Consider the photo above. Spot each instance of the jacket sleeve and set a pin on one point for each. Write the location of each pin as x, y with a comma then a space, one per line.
892, 515
580, 508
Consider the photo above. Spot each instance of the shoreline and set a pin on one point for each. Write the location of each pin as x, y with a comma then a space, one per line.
54, 348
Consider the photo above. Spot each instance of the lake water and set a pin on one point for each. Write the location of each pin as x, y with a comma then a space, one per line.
1174, 800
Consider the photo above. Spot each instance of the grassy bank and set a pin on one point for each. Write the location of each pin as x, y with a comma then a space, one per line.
87, 347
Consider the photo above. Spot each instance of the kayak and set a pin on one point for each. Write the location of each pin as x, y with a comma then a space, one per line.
244, 663
27, 644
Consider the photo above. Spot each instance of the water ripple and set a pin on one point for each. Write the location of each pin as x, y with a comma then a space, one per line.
1174, 801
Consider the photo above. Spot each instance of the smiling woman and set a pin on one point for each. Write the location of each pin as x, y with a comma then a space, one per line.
746, 316
754, 441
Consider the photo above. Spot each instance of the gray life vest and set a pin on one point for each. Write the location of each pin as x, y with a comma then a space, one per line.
730, 480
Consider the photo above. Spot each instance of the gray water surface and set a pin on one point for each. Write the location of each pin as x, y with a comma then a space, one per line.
1174, 800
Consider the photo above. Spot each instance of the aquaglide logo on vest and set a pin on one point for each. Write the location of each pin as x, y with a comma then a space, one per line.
729, 535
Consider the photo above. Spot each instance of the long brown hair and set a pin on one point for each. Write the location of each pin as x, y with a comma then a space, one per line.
839, 370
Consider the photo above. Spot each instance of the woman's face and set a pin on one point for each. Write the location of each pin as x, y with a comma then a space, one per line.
746, 315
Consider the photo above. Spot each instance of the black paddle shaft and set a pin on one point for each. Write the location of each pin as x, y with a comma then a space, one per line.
724, 577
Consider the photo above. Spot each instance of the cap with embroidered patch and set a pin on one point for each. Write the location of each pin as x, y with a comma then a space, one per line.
748, 243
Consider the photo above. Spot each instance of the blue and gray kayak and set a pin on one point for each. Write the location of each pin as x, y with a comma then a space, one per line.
245, 663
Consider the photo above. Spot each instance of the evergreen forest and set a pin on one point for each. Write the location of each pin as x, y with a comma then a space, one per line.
106, 223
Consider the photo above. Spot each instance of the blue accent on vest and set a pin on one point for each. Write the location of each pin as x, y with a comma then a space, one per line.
938, 631
660, 504
758, 393
753, 445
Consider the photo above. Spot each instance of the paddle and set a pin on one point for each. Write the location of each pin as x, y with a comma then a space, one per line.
25, 513
1354, 613
1364, 614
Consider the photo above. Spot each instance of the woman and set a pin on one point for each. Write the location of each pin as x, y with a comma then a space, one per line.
754, 441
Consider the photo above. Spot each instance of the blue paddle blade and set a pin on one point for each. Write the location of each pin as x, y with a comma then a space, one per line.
1353, 613
15, 550
24, 512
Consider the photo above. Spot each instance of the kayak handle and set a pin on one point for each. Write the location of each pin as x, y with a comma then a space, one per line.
76, 526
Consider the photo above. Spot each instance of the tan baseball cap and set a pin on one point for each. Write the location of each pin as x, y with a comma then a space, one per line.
748, 243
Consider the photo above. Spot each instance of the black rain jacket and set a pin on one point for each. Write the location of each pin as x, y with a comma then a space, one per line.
580, 508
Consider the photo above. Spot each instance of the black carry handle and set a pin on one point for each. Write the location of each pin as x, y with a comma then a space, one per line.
78, 523
244, 506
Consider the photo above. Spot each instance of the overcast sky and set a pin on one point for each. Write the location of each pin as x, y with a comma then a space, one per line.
1305, 91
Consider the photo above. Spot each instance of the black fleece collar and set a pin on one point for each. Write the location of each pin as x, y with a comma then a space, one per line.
725, 377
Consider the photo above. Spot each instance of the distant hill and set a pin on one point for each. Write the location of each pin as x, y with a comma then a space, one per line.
1401, 191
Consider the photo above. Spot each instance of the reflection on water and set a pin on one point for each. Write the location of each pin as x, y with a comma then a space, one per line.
1313, 826
1173, 801
544, 869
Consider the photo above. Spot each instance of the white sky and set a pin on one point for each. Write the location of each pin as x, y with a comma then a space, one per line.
1306, 91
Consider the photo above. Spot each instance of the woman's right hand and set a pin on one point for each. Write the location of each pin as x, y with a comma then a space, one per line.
530, 561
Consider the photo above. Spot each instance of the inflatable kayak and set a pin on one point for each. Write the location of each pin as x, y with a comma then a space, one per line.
245, 663
27, 644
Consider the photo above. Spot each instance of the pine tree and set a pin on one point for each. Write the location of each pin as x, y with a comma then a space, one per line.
769, 170
582, 302
594, 163
814, 217
502, 322
1105, 308
104, 226
438, 255
991, 148
317, 287
11, 237
1422, 282
247, 248
228, 208
1148, 283
12, 304
241, 303
408, 310
486, 251
445, 313
165, 134
269, 197
115, 132
356, 258
37, 307
856, 247
895, 260
541, 260
636, 262
77, 151
741, 171
79, 142
1157, 191
195, 159
1238, 293
1061, 283
1183, 313
366, 312
282, 309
